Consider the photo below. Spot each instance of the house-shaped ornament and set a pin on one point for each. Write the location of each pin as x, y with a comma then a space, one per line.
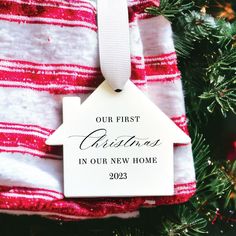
116, 144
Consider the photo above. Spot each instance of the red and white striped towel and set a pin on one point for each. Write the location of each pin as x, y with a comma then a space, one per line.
48, 50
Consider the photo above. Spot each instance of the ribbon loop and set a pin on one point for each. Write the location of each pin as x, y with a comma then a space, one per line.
114, 44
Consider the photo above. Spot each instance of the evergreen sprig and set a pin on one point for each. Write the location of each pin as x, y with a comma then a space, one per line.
170, 8
222, 93
185, 223
214, 68
230, 169
198, 26
206, 48
226, 33
221, 79
212, 181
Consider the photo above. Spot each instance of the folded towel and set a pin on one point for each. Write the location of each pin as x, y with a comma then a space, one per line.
48, 50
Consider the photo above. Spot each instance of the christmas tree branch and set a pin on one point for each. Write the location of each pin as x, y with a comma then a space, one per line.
186, 223
170, 8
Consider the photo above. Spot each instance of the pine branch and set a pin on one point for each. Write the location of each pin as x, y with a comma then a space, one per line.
230, 169
214, 181
170, 8
226, 34
223, 94
186, 223
197, 26
209, 59
183, 46
221, 90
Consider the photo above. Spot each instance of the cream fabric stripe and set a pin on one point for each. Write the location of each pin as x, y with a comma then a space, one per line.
32, 103
71, 45
183, 164
29, 171
156, 34
48, 44
167, 96
47, 67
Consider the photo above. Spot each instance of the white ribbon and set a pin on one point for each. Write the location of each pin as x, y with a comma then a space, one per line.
114, 44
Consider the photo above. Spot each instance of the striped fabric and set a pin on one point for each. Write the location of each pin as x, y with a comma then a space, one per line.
48, 50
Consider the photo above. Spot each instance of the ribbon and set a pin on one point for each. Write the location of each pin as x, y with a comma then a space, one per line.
114, 44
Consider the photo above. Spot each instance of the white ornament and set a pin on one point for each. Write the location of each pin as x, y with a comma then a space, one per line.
116, 144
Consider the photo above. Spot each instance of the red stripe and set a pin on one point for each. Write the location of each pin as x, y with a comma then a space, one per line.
138, 9
49, 23
23, 140
167, 58
162, 57
65, 82
54, 78
28, 141
57, 3
62, 90
29, 191
58, 80
189, 186
98, 207
48, 66
64, 11
153, 69
53, 73
164, 64
181, 122
170, 200
8, 125
30, 11
164, 80
47, 192
138, 72
156, 68
78, 207
181, 144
